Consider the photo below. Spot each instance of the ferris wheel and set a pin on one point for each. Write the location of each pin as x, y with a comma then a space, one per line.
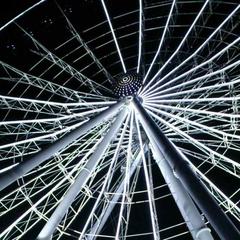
120, 120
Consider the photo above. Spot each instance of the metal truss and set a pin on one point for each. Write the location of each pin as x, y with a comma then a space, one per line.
78, 162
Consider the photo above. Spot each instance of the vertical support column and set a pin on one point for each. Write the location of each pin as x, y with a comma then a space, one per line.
185, 204
28, 164
81, 180
218, 219
98, 225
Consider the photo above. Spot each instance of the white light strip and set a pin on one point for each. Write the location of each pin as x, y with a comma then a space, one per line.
114, 37
114, 158
126, 179
21, 14
179, 46
52, 135
199, 49
203, 147
161, 41
8, 168
195, 68
74, 115
228, 115
50, 56
230, 203
195, 123
150, 196
191, 100
61, 183
140, 36
194, 90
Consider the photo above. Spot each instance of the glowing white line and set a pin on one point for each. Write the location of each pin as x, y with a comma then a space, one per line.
179, 46
22, 13
201, 47
114, 36
140, 36
161, 41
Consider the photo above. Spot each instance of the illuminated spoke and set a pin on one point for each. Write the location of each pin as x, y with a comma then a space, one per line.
114, 36
199, 49
140, 36
161, 41
216, 159
120, 120
125, 194
208, 75
179, 46
150, 193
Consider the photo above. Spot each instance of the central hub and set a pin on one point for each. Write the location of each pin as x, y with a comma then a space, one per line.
127, 84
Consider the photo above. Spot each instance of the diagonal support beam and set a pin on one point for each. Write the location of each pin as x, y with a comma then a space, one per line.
27, 165
50, 56
126, 188
114, 36
81, 180
155, 227
185, 204
42, 84
100, 223
140, 36
107, 179
217, 218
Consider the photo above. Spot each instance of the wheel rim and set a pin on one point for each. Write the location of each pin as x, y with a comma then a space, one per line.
187, 55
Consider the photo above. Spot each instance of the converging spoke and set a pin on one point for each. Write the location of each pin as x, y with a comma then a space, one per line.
120, 120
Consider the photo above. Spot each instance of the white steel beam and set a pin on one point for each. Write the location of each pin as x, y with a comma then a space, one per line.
21, 14
125, 194
44, 85
218, 54
195, 53
199, 111
195, 80
107, 177
186, 206
178, 48
221, 134
156, 234
76, 34
50, 56
191, 100
223, 162
161, 41
81, 180
188, 178
114, 36
13, 174
99, 224
140, 35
